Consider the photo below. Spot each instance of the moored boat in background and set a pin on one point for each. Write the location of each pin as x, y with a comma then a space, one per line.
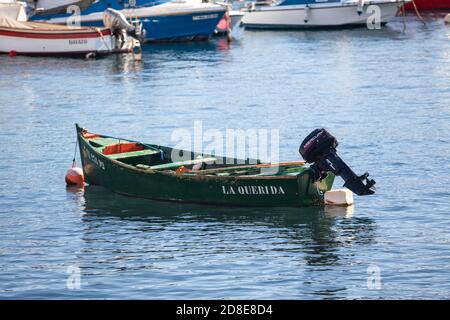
162, 20
293, 14
18, 36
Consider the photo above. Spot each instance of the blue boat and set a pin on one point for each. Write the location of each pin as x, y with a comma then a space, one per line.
162, 20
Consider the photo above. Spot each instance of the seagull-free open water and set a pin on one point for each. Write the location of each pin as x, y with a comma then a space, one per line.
385, 95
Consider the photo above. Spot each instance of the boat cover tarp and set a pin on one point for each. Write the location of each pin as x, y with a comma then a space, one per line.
12, 9
6, 22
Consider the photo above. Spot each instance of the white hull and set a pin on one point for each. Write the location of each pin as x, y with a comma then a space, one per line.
236, 18
318, 15
55, 47
43, 39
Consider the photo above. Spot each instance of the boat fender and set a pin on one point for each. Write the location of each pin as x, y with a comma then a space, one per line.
199, 166
447, 19
12, 54
90, 55
74, 176
339, 197
359, 8
307, 12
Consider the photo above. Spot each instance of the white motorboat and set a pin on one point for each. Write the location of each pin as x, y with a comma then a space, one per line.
292, 14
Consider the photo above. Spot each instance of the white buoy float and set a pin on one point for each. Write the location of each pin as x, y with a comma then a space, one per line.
339, 197
447, 19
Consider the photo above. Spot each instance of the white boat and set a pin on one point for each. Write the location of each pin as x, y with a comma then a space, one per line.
21, 37
236, 18
292, 14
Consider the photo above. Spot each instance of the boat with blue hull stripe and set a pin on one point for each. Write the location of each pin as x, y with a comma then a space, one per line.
181, 20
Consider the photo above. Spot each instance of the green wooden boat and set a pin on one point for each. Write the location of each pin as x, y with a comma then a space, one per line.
150, 171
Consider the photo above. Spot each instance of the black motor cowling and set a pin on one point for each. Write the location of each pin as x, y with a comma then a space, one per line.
319, 149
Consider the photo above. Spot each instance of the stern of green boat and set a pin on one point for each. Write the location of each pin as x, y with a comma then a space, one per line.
310, 192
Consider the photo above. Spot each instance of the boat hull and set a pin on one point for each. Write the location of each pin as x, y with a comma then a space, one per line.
24, 42
181, 27
264, 191
429, 5
317, 16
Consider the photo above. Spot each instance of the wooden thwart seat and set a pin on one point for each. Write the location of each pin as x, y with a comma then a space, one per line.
145, 152
173, 165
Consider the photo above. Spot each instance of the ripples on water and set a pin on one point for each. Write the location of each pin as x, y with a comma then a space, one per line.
384, 94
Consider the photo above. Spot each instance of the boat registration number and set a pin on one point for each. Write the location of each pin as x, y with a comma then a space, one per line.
78, 41
99, 163
205, 17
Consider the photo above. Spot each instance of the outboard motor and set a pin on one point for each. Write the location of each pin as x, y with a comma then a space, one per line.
114, 20
319, 149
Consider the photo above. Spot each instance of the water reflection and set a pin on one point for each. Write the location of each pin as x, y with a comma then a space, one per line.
125, 63
182, 48
316, 232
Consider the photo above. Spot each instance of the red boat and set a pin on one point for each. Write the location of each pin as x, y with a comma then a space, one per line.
429, 5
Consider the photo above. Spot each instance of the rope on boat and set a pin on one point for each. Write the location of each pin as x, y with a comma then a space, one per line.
418, 13
75, 152
103, 39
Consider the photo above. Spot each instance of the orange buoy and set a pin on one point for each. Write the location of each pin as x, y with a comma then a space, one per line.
75, 176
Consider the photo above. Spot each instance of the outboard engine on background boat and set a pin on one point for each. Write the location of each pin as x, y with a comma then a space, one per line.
319, 149
117, 22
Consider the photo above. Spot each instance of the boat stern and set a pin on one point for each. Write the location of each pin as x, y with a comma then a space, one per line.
312, 192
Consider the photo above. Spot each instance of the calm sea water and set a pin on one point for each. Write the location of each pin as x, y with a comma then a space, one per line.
384, 94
